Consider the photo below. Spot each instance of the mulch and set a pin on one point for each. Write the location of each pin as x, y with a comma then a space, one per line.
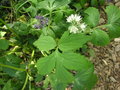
107, 66
107, 63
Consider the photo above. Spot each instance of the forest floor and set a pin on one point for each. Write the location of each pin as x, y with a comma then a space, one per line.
107, 66
107, 63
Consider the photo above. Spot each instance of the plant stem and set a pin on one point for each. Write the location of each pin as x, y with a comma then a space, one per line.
101, 26
29, 85
54, 12
50, 19
4, 7
25, 83
44, 54
7, 66
22, 5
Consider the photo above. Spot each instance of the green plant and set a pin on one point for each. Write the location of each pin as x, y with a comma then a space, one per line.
47, 48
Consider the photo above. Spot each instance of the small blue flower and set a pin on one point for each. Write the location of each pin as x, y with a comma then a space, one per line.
41, 22
39, 17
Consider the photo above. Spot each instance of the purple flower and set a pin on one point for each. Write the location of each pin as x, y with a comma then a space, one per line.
36, 26
39, 17
41, 22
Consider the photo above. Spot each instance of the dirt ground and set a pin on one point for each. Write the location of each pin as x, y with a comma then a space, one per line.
107, 66
107, 63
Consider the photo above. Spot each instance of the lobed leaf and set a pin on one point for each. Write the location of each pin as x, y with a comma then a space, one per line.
45, 43
85, 80
100, 37
52, 4
92, 18
73, 41
60, 63
113, 14
8, 86
46, 65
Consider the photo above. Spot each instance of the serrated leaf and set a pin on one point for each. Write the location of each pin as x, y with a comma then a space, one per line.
85, 80
62, 74
61, 63
114, 30
56, 85
46, 65
4, 44
43, 5
60, 3
75, 61
8, 86
100, 37
73, 41
113, 14
52, 4
45, 43
92, 18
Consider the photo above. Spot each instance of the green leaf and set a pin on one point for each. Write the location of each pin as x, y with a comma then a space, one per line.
60, 63
58, 16
45, 43
73, 41
114, 30
62, 74
75, 61
92, 18
2, 81
85, 80
8, 86
52, 4
56, 85
60, 3
49, 32
46, 65
43, 5
32, 10
21, 28
113, 14
83, 2
100, 37
94, 3
13, 60
33, 1
4, 44
77, 6
102, 2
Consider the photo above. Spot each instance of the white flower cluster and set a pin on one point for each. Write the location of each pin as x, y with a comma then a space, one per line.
75, 18
77, 25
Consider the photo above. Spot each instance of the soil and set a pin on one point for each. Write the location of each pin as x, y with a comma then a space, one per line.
107, 66
107, 63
